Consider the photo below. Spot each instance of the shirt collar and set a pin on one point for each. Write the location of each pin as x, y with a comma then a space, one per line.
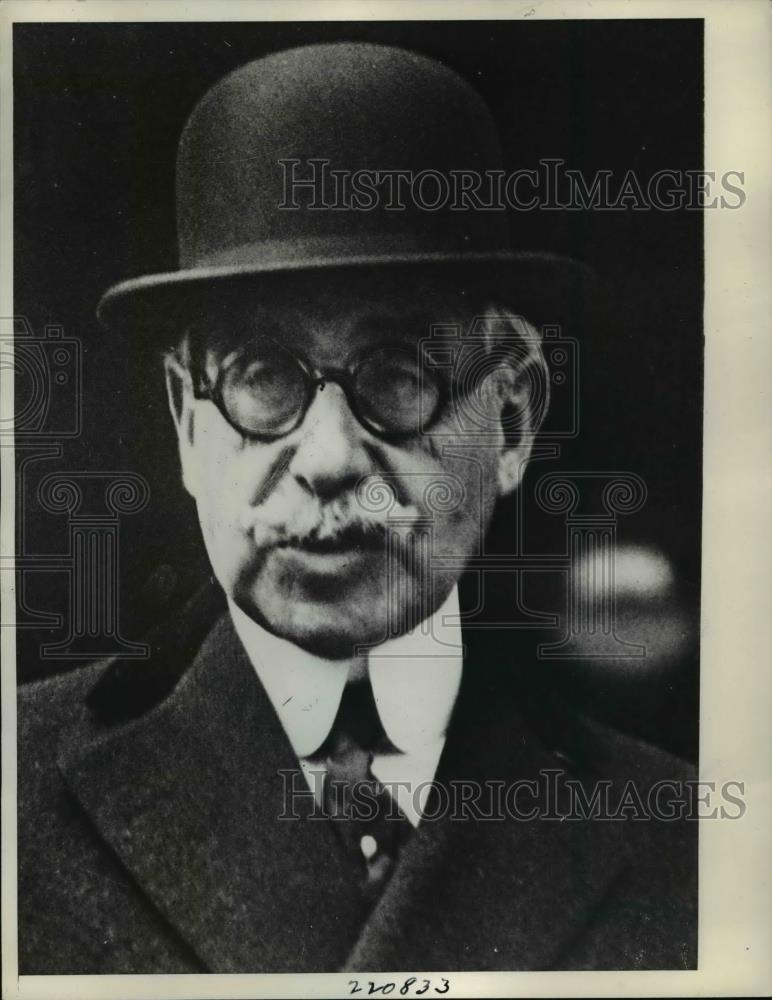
415, 679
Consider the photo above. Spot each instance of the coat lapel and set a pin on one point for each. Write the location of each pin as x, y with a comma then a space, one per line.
490, 894
189, 797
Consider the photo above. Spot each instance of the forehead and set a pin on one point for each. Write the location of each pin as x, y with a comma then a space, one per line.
331, 320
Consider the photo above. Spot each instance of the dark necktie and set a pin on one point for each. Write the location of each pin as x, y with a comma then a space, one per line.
365, 816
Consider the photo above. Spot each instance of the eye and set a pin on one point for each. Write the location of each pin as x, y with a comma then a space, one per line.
396, 392
264, 375
262, 389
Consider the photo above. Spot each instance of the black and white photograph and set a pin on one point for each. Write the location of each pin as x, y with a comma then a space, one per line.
357, 446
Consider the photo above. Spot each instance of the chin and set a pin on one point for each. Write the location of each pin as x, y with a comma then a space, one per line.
327, 607
322, 629
331, 625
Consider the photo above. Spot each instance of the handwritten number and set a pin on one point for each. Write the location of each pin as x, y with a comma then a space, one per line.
386, 988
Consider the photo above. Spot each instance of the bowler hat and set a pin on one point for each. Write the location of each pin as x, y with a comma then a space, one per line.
257, 168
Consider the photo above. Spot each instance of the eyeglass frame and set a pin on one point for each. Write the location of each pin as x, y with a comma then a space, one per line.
206, 389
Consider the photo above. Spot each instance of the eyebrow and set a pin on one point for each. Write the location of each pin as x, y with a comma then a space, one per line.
414, 322
391, 323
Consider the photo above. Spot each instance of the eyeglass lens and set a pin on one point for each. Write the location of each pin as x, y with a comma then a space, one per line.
264, 389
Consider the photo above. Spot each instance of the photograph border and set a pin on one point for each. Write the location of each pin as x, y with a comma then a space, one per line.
735, 914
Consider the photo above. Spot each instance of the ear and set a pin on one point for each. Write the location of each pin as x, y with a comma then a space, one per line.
524, 396
179, 390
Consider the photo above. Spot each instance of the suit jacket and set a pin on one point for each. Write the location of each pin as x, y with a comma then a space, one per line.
149, 837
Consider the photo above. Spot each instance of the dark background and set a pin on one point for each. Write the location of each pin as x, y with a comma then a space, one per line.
98, 110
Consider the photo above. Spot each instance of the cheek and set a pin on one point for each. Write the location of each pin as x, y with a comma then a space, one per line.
228, 471
453, 480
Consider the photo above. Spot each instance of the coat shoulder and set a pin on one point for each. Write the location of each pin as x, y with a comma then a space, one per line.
622, 757
79, 910
595, 748
50, 706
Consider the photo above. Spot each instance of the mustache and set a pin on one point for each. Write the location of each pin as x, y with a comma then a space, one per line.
292, 517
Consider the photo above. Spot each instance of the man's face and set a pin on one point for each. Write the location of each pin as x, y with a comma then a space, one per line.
332, 534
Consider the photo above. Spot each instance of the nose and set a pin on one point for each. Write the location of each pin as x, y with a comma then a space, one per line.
330, 456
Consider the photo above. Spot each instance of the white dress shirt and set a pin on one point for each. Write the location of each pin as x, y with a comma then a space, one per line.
415, 680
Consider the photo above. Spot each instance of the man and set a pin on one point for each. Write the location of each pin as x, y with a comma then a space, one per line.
319, 768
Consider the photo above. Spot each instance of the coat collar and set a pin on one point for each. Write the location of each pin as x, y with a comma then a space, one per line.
492, 894
196, 785
414, 680
188, 797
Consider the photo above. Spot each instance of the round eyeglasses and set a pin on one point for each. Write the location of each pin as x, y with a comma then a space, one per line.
264, 390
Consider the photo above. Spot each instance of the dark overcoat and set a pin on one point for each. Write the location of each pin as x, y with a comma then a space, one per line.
150, 837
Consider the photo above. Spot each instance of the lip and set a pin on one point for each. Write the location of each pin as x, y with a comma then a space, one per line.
329, 558
329, 546
350, 542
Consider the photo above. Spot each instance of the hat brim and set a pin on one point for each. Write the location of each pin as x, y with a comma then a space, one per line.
543, 287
